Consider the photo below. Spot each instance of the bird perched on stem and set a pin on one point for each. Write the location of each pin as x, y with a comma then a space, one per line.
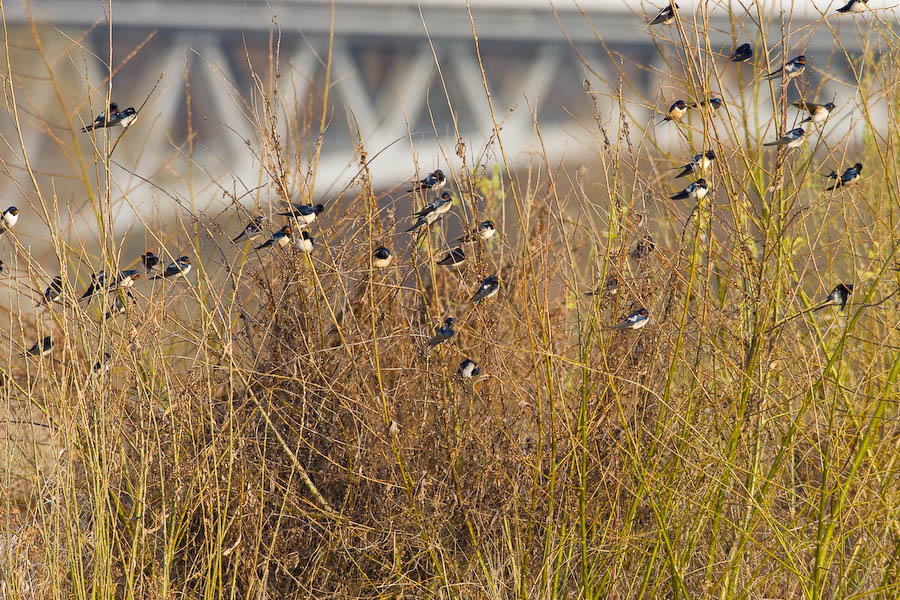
850, 176
838, 297
488, 289
433, 181
102, 366
432, 211
699, 163
694, 191
304, 214
666, 14
252, 229
151, 262
9, 218
468, 369
741, 53
118, 306
854, 6
441, 334
280, 238
792, 139
125, 279
635, 320
41, 347
676, 112
817, 112
97, 284
714, 103
382, 257
52, 293
180, 268
305, 242
792, 68
484, 231
115, 118
607, 289
454, 258
644, 247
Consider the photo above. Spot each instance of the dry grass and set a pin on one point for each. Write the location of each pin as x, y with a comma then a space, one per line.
273, 428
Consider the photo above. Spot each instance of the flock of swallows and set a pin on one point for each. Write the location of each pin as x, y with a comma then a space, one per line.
301, 216
817, 114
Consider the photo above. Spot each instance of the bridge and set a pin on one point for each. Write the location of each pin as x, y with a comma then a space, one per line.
404, 73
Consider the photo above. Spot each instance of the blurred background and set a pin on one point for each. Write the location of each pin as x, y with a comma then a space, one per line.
404, 78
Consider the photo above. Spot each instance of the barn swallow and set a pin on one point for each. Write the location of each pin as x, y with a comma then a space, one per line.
123, 118
1, 266
484, 231
694, 191
97, 284
252, 230
454, 258
676, 112
432, 211
150, 261
382, 257
434, 181
102, 366
41, 347
665, 15
643, 248
100, 121
635, 320
791, 68
304, 214
441, 334
817, 112
741, 53
850, 176
838, 296
607, 289
700, 162
305, 242
125, 279
853, 6
715, 103
281, 238
53, 292
792, 139
468, 369
118, 306
9, 218
116, 118
488, 289
182, 266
